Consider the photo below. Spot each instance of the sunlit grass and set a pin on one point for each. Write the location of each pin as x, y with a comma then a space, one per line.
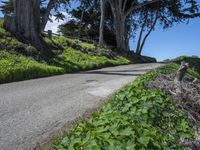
17, 60
15, 68
73, 60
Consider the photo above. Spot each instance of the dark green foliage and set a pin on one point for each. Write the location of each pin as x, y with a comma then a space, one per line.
87, 19
7, 6
134, 118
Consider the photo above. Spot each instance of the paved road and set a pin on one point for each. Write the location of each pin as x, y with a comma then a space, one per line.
31, 111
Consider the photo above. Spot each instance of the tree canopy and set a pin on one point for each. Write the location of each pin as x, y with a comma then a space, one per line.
112, 22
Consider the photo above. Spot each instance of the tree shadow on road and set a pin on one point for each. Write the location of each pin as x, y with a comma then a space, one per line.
118, 73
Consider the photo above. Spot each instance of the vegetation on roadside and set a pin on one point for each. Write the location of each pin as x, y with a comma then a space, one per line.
19, 61
134, 118
16, 67
194, 62
72, 60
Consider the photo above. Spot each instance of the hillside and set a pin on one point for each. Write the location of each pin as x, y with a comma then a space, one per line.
19, 61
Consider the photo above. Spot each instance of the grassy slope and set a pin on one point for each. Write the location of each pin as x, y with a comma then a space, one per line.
134, 118
14, 68
17, 67
74, 61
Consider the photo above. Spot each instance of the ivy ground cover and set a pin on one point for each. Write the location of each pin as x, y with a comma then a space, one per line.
134, 118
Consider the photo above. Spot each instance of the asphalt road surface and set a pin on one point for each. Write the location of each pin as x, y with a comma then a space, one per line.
36, 110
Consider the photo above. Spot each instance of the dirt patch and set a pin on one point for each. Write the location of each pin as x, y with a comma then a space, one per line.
186, 95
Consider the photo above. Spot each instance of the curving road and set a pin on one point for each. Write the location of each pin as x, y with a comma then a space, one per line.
34, 111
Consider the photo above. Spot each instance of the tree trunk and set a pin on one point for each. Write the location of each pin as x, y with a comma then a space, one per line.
120, 26
140, 48
138, 52
45, 18
146, 36
80, 24
181, 72
25, 24
120, 32
179, 78
101, 28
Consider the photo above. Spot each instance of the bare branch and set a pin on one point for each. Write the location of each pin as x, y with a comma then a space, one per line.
124, 5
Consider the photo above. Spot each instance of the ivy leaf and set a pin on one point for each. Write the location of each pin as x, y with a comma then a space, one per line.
75, 143
130, 146
65, 142
92, 145
144, 140
86, 139
126, 132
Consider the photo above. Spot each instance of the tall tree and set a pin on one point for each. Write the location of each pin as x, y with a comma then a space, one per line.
141, 41
90, 23
26, 19
85, 17
147, 21
85, 4
102, 22
122, 9
164, 14
46, 6
25, 24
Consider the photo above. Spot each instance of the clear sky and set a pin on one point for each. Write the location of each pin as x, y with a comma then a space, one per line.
181, 39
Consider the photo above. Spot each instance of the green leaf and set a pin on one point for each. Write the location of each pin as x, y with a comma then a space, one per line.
92, 145
144, 140
75, 143
86, 139
126, 132
145, 110
130, 146
65, 141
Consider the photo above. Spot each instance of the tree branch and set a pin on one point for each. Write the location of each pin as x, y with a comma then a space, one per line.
140, 6
46, 15
152, 27
124, 5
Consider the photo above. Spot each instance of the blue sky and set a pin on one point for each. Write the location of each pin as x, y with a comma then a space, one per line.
181, 39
